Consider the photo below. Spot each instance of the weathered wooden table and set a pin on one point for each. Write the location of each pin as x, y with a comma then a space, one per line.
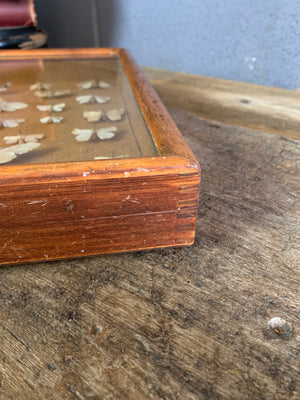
187, 323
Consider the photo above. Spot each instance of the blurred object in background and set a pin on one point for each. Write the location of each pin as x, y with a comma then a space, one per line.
18, 26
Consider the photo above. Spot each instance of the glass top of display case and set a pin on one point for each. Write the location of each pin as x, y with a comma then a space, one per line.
56, 110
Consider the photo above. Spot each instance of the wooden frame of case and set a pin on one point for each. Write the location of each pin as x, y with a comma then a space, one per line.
164, 189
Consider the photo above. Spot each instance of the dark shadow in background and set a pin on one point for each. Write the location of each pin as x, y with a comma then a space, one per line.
107, 16
77, 23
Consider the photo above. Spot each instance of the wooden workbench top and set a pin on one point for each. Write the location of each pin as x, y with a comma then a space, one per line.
185, 323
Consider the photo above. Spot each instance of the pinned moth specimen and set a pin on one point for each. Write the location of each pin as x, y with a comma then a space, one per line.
4, 86
51, 93
83, 135
92, 99
11, 123
111, 115
93, 85
40, 86
86, 85
50, 120
48, 107
21, 139
8, 154
11, 106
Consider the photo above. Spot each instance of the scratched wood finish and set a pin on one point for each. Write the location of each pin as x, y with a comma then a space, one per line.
186, 323
264, 108
62, 210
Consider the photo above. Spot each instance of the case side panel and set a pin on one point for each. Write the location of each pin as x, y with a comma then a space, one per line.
73, 219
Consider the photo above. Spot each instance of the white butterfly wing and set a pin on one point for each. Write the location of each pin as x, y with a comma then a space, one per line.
60, 93
43, 93
83, 135
92, 116
84, 99
106, 133
49, 120
44, 107
11, 139
33, 138
58, 107
10, 153
35, 86
86, 85
56, 120
102, 99
12, 123
40, 86
12, 106
104, 85
46, 120
24, 147
115, 115
6, 155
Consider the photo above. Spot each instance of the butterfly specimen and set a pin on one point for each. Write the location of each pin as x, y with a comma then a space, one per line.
51, 93
83, 135
40, 86
11, 123
11, 106
111, 115
92, 85
4, 86
21, 139
92, 99
10, 153
47, 107
50, 120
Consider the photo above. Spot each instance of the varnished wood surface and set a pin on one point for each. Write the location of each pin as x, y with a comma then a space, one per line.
121, 207
73, 205
187, 323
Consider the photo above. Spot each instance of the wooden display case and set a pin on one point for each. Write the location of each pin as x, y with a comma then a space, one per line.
90, 160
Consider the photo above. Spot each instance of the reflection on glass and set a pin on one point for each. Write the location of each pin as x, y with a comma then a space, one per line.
69, 110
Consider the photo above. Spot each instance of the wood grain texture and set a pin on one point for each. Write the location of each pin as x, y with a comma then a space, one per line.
53, 210
128, 206
264, 108
185, 323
